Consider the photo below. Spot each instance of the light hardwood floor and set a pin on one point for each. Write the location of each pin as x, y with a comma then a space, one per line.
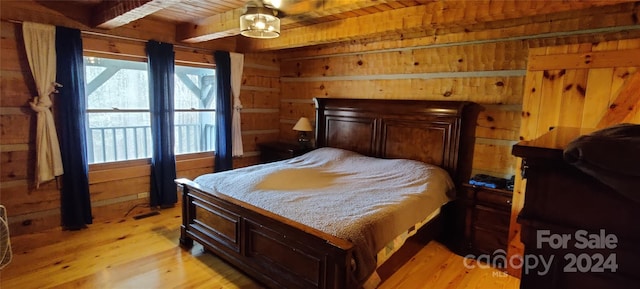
144, 253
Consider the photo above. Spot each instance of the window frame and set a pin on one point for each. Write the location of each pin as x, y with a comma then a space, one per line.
142, 60
211, 110
193, 57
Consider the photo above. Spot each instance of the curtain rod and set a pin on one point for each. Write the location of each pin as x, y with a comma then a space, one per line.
142, 40
122, 37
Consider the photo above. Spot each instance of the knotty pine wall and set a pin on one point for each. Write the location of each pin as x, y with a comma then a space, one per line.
116, 188
484, 64
490, 73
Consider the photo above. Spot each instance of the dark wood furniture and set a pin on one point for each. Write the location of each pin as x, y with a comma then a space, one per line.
277, 151
564, 200
487, 221
282, 253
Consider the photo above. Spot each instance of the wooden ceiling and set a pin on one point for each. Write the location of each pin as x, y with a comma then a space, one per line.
310, 22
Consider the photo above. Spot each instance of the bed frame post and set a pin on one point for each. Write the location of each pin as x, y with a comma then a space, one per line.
187, 214
454, 212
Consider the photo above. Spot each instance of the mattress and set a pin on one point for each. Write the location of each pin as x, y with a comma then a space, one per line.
368, 201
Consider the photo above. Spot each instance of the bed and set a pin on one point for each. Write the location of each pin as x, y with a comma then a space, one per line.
282, 249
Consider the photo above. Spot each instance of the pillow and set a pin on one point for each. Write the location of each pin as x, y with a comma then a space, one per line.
610, 155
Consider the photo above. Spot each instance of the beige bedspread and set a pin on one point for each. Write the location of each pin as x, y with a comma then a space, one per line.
368, 201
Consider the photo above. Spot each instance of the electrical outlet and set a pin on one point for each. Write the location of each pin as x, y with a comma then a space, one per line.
143, 195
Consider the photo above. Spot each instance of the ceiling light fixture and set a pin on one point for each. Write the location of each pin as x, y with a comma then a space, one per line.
260, 22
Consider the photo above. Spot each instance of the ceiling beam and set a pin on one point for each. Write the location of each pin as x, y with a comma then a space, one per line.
228, 23
213, 27
428, 17
112, 14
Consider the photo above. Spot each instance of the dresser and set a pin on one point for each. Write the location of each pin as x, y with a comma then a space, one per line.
585, 231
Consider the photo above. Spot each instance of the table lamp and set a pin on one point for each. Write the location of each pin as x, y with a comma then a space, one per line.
302, 127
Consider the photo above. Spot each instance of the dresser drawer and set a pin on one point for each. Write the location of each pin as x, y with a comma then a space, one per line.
494, 198
491, 218
487, 241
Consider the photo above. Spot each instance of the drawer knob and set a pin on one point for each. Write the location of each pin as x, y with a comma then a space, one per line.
508, 202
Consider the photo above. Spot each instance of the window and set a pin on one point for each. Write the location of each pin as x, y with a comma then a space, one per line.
194, 97
117, 110
118, 115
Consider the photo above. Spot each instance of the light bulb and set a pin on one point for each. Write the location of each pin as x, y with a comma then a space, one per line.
260, 23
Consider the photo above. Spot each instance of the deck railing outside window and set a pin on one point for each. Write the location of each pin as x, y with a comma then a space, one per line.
108, 144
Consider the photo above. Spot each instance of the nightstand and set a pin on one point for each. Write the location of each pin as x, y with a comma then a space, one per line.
276, 151
488, 215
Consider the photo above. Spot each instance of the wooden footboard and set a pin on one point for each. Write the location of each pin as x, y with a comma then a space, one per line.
276, 251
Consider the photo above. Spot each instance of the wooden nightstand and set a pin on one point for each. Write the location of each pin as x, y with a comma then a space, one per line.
276, 151
487, 218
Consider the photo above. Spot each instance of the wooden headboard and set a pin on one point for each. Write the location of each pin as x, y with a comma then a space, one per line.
436, 132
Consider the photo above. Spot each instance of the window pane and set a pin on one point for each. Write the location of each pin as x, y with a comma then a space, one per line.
195, 132
116, 135
195, 88
116, 84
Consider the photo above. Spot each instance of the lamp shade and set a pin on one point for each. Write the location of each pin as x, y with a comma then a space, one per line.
260, 22
303, 124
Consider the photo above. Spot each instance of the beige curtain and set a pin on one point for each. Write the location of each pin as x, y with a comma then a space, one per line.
5, 242
237, 64
40, 45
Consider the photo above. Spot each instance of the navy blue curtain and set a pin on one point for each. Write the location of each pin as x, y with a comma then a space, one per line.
71, 126
163, 162
223, 159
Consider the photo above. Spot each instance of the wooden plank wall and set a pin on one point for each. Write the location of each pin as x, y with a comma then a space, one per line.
484, 64
116, 188
487, 66
17, 140
488, 73
260, 95
577, 85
